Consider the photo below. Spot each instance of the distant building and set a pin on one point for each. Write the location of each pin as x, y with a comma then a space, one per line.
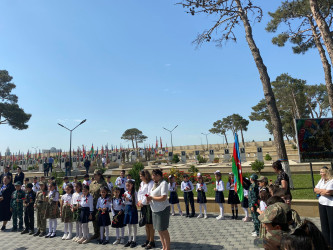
51, 150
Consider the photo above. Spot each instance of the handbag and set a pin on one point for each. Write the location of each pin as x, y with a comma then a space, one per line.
142, 221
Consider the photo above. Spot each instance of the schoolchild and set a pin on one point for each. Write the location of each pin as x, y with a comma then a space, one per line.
35, 185
254, 203
201, 189
233, 198
41, 205
110, 184
52, 209
245, 202
117, 207
28, 204
173, 198
76, 209
66, 212
23, 187
86, 213
187, 188
64, 185
121, 182
86, 181
16, 206
103, 207
219, 196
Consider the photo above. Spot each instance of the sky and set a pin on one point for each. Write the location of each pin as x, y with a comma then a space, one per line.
131, 64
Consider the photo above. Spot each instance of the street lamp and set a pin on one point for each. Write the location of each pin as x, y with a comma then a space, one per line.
171, 136
206, 138
70, 140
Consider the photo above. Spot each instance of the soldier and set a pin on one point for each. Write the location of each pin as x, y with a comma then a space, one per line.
40, 205
28, 204
254, 203
94, 190
16, 206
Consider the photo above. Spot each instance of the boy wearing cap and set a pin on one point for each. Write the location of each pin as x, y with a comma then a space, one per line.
16, 206
254, 203
187, 188
35, 185
26, 181
28, 204
262, 183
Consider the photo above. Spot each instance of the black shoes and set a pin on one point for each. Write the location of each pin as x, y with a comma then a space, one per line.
192, 215
128, 244
25, 231
53, 235
145, 244
42, 234
105, 242
31, 233
133, 244
37, 233
150, 245
3, 228
100, 242
14, 229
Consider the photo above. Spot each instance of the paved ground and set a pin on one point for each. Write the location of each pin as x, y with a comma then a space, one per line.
185, 233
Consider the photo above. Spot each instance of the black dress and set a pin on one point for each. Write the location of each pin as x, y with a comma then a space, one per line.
19, 177
6, 193
201, 197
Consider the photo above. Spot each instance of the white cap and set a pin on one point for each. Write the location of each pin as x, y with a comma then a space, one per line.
217, 171
198, 174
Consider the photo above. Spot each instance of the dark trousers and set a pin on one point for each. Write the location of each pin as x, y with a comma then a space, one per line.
29, 218
87, 170
326, 221
46, 173
188, 198
50, 167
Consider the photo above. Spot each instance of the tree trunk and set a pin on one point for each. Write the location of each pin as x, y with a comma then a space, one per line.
297, 113
226, 140
242, 137
325, 62
132, 142
268, 92
323, 27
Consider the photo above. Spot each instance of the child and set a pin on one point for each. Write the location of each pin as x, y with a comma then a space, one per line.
42, 179
52, 210
219, 196
75, 179
253, 203
262, 183
23, 187
121, 182
40, 205
131, 213
76, 209
233, 199
35, 184
16, 206
245, 202
187, 187
86, 181
117, 207
66, 213
86, 215
108, 181
201, 190
173, 199
103, 207
28, 204
64, 185
263, 196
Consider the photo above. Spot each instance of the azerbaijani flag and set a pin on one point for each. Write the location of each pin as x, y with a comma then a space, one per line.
237, 170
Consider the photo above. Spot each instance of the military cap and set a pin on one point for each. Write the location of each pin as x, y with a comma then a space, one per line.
43, 183
97, 171
275, 213
26, 179
18, 183
29, 185
263, 178
254, 177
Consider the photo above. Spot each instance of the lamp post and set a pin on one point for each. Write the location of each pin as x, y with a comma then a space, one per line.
171, 135
70, 140
206, 138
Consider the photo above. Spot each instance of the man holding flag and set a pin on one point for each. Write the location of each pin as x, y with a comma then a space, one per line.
237, 171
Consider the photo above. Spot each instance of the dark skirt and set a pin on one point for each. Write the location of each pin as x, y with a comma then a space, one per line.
104, 219
120, 220
122, 191
219, 197
173, 199
84, 215
131, 215
147, 213
233, 197
201, 197
245, 202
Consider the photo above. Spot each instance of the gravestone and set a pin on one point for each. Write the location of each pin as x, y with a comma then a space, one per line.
183, 157
133, 156
260, 155
118, 158
170, 154
242, 155
226, 155
211, 155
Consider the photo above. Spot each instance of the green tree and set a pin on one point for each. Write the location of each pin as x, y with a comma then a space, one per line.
317, 100
10, 112
135, 173
219, 128
239, 124
134, 135
302, 32
257, 166
229, 13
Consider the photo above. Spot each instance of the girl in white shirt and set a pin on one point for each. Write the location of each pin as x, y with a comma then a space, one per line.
219, 197
117, 207
87, 209
233, 199
201, 190
76, 200
66, 213
103, 206
52, 210
173, 198
245, 202
121, 182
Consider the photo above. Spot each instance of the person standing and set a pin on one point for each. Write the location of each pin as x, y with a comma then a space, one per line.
51, 160
6, 191
46, 168
19, 175
103, 161
68, 167
282, 179
253, 203
28, 204
6, 173
87, 165
324, 188
16, 206
41, 205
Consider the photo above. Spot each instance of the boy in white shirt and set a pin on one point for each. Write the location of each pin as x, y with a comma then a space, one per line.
187, 188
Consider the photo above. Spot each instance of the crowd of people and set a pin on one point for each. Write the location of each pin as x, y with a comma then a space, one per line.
275, 224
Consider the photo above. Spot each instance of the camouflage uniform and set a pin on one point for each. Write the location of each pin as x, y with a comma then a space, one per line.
16, 204
29, 210
94, 190
253, 197
52, 209
41, 205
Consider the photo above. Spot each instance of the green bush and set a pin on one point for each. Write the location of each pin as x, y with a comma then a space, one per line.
58, 175
201, 159
268, 157
102, 170
15, 167
257, 166
175, 158
216, 160
30, 168
193, 170
135, 173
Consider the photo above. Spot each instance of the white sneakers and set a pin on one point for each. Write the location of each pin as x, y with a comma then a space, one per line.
173, 214
122, 241
254, 234
64, 237
205, 217
117, 241
200, 216
69, 236
220, 217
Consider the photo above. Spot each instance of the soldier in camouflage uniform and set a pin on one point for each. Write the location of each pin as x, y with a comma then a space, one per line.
94, 190
29, 201
40, 205
253, 197
16, 206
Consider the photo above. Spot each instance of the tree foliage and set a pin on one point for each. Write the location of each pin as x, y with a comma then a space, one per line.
134, 135
10, 111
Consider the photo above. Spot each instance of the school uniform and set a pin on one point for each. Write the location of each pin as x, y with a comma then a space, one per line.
52, 209
144, 189
110, 185
245, 202
233, 196
66, 213
121, 183
41, 205
103, 216
187, 188
131, 212
64, 185
219, 196
173, 198
29, 211
117, 205
86, 182
35, 187
87, 208
201, 193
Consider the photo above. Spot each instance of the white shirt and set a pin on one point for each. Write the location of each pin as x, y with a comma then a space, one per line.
144, 189
186, 185
64, 185
103, 160
328, 185
87, 183
76, 198
263, 206
67, 199
23, 187
203, 186
219, 186
35, 187
73, 183
161, 190
129, 196
246, 192
87, 202
54, 193
117, 204
103, 203
110, 185
121, 182
229, 186
172, 187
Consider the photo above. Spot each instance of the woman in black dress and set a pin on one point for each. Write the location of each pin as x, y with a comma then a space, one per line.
282, 179
6, 191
